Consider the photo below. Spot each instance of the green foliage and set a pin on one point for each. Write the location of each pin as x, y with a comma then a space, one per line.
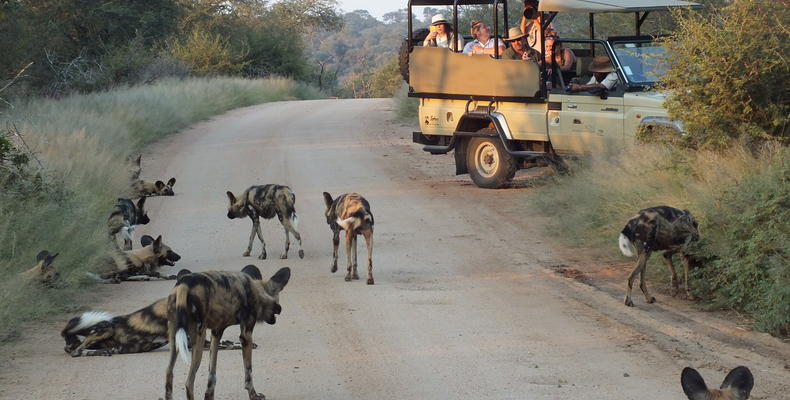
207, 54
386, 79
728, 73
407, 108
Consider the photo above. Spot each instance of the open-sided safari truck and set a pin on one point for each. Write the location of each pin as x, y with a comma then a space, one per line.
502, 115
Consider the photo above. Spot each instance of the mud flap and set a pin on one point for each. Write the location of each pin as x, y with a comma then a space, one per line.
460, 157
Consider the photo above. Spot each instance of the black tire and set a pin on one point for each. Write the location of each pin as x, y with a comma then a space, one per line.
403, 56
490, 166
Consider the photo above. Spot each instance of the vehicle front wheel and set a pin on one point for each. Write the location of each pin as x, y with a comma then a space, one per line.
490, 166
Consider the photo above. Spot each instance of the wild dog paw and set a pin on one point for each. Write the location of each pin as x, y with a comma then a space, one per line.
355, 277
262, 256
651, 300
628, 302
257, 396
284, 256
334, 268
246, 254
348, 278
301, 253
370, 281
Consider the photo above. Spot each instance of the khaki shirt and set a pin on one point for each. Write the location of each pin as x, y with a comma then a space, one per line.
510, 54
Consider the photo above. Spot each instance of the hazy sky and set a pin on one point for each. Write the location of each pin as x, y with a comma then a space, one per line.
376, 8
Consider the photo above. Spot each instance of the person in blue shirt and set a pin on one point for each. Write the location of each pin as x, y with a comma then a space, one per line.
483, 43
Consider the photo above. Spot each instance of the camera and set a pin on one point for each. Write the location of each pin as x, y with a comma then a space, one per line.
530, 9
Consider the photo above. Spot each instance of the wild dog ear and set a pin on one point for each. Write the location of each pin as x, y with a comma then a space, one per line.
183, 272
740, 381
49, 259
171, 182
278, 281
146, 240
158, 243
328, 199
253, 272
693, 385
159, 185
141, 203
42, 255
231, 197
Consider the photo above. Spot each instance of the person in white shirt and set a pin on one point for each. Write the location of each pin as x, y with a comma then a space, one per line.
442, 34
483, 43
603, 76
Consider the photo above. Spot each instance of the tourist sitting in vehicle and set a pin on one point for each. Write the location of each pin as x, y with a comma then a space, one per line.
442, 34
483, 43
519, 49
563, 57
603, 77
531, 22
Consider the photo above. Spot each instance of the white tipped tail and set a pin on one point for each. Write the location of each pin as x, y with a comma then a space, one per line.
349, 223
294, 220
182, 346
625, 246
91, 318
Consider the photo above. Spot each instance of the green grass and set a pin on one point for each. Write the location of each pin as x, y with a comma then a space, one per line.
82, 142
406, 107
740, 197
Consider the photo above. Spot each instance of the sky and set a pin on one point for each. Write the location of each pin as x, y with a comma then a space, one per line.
376, 8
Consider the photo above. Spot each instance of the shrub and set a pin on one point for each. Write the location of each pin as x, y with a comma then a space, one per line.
207, 54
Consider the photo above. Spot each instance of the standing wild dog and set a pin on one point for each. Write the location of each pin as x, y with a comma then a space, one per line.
215, 301
350, 212
101, 334
44, 273
265, 202
736, 386
144, 261
125, 215
653, 229
157, 188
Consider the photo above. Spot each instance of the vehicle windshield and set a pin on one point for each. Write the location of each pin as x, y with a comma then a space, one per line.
641, 61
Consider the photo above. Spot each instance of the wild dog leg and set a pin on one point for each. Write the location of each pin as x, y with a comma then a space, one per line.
255, 223
289, 226
668, 260
197, 356
171, 338
90, 340
246, 352
368, 234
216, 336
260, 237
335, 245
349, 244
284, 256
686, 266
354, 274
640, 263
643, 286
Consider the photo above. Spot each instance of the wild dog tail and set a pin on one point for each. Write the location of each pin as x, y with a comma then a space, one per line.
182, 323
349, 223
295, 220
625, 242
85, 320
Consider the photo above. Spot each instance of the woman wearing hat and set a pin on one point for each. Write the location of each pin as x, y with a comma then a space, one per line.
519, 49
442, 34
603, 76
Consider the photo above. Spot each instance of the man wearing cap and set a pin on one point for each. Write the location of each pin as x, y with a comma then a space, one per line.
442, 34
603, 76
519, 49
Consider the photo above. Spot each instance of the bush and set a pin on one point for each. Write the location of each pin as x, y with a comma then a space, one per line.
407, 107
207, 54
728, 73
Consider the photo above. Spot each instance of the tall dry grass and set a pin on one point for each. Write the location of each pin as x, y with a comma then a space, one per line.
82, 142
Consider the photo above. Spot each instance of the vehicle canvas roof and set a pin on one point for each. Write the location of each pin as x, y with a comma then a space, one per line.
587, 6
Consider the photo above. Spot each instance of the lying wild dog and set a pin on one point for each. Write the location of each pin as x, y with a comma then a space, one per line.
44, 273
350, 212
215, 301
265, 202
101, 334
736, 386
653, 229
133, 166
124, 217
123, 265
157, 188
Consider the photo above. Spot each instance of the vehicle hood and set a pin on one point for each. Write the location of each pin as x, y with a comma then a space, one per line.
645, 99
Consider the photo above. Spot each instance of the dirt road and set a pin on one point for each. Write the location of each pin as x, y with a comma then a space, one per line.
466, 304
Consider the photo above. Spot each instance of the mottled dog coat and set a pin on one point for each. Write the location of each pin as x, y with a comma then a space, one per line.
147, 260
350, 212
215, 301
124, 217
265, 202
736, 386
157, 188
655, 229
43, 272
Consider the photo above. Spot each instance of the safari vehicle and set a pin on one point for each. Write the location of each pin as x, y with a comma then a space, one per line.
503, 115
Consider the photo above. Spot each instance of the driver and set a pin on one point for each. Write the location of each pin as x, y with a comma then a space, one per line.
603, 77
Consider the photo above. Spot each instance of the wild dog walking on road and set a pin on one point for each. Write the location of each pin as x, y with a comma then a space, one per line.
736, 386
265, 202
157, 188
122, 265
350, 212
124, 217
100, 334
653, 229
43, 273
215, 301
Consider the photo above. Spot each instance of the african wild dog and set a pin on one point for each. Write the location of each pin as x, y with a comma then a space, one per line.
350, 212
157, 188
122, 265
215, 301
101, 334
653, 229
736, 386
125, 215
44, 273
265, 202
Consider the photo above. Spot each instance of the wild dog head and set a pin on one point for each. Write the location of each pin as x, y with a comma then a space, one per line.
165, 189
238, 208
736, 386
133, 165
272, 287
43, 272
165, 255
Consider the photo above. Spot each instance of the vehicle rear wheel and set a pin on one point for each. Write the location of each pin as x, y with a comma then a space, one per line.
490, 166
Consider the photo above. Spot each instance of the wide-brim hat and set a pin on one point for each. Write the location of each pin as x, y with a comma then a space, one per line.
601, 64
514, 33
438, 19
